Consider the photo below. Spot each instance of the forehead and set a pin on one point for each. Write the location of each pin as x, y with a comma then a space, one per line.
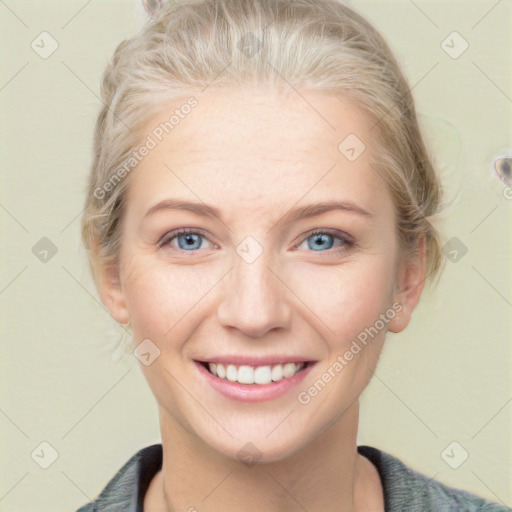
258, 149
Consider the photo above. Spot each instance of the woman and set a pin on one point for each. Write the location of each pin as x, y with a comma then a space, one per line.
238, 137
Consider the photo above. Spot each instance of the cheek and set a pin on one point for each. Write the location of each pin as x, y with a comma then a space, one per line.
159, 296
347, 298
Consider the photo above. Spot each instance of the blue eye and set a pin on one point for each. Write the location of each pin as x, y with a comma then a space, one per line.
321, 240
188, 240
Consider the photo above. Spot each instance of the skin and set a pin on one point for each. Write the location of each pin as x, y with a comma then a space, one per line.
255, 155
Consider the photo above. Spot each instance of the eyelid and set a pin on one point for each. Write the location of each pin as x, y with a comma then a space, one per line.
347, 242
328, 231
170, 235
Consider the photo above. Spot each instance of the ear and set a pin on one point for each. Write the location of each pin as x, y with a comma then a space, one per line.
109, 286
409, 285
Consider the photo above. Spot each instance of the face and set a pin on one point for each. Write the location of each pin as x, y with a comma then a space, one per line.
252, 283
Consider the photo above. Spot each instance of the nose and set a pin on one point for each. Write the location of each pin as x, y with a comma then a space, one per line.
254, 298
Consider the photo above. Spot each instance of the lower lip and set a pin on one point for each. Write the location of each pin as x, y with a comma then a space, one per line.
252, 392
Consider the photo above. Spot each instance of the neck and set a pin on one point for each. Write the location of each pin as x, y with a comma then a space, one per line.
328, 474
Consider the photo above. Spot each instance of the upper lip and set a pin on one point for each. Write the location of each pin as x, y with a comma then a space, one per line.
255, 361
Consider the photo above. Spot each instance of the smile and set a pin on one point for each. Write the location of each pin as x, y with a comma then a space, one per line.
245, 374
253, 380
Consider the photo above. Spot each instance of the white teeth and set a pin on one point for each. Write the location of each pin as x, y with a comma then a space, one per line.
231, 373
262, 375
277, 372
289, 370
221, 371
245, 374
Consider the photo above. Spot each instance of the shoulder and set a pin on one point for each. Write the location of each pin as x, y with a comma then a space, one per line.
125, 491
409, 491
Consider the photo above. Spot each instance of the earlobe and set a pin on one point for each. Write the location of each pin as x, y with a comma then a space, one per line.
410, 281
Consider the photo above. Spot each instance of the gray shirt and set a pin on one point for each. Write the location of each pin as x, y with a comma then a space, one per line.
405, 490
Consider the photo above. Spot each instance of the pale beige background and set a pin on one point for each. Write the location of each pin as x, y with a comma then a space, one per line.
446, 378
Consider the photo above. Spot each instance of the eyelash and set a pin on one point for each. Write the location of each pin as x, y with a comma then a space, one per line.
347, 241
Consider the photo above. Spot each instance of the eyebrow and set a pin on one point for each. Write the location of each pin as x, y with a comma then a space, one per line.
302, 212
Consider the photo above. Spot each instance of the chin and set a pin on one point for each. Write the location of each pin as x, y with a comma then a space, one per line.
259, 451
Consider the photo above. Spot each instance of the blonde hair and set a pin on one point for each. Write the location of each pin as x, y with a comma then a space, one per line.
317, 44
